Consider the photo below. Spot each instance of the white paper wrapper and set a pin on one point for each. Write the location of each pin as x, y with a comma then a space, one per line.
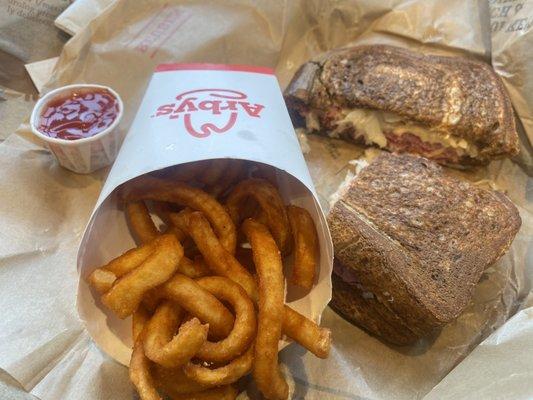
193, 112
40, 71
45, 346
79, 14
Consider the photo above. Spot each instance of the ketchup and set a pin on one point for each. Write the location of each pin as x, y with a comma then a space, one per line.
78, 115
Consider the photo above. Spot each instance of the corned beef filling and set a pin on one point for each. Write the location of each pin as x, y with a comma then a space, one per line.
409, 143
386, 130
349, 276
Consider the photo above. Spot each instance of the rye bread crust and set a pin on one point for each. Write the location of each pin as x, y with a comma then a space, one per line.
457, 95
359, 245
420, 239
367, 312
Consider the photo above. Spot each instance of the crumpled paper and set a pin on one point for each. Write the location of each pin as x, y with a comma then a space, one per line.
511, 26
14, 107
43, 343
27, 34
40, 71
79, 14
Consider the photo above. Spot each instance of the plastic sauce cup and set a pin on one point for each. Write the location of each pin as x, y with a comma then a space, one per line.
86, 154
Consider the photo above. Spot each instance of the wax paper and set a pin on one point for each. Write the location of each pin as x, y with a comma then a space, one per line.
485, 354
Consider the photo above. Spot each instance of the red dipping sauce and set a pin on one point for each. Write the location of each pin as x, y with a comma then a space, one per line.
80, 114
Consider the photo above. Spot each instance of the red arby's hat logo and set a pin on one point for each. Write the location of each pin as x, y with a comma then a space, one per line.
223, 105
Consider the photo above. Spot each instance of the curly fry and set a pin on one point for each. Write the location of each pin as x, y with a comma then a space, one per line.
141, 222
271, 204
199, 303
149, 188
227, 392
269, 268
244, 328
177, 385
217, 258
234, 170
126, 294
225, 375
305, 332
160, 344
214, 171
305, 247
140, 374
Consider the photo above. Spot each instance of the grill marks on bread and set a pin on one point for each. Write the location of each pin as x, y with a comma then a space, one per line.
420, 236
455, 95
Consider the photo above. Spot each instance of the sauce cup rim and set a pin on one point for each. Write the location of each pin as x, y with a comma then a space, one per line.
36, 113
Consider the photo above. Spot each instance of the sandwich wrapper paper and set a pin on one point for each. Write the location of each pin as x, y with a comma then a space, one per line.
511, 22
27, 34
45, 345
78, 14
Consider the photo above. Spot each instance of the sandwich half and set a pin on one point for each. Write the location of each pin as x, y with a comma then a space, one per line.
411, 243
450, 109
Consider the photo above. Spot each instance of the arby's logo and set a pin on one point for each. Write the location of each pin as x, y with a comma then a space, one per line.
224, 106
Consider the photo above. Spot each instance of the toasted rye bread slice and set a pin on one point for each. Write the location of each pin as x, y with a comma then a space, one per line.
356, 306
423, 238
455, 95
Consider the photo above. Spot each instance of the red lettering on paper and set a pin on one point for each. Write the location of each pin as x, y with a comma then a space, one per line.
198, 105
